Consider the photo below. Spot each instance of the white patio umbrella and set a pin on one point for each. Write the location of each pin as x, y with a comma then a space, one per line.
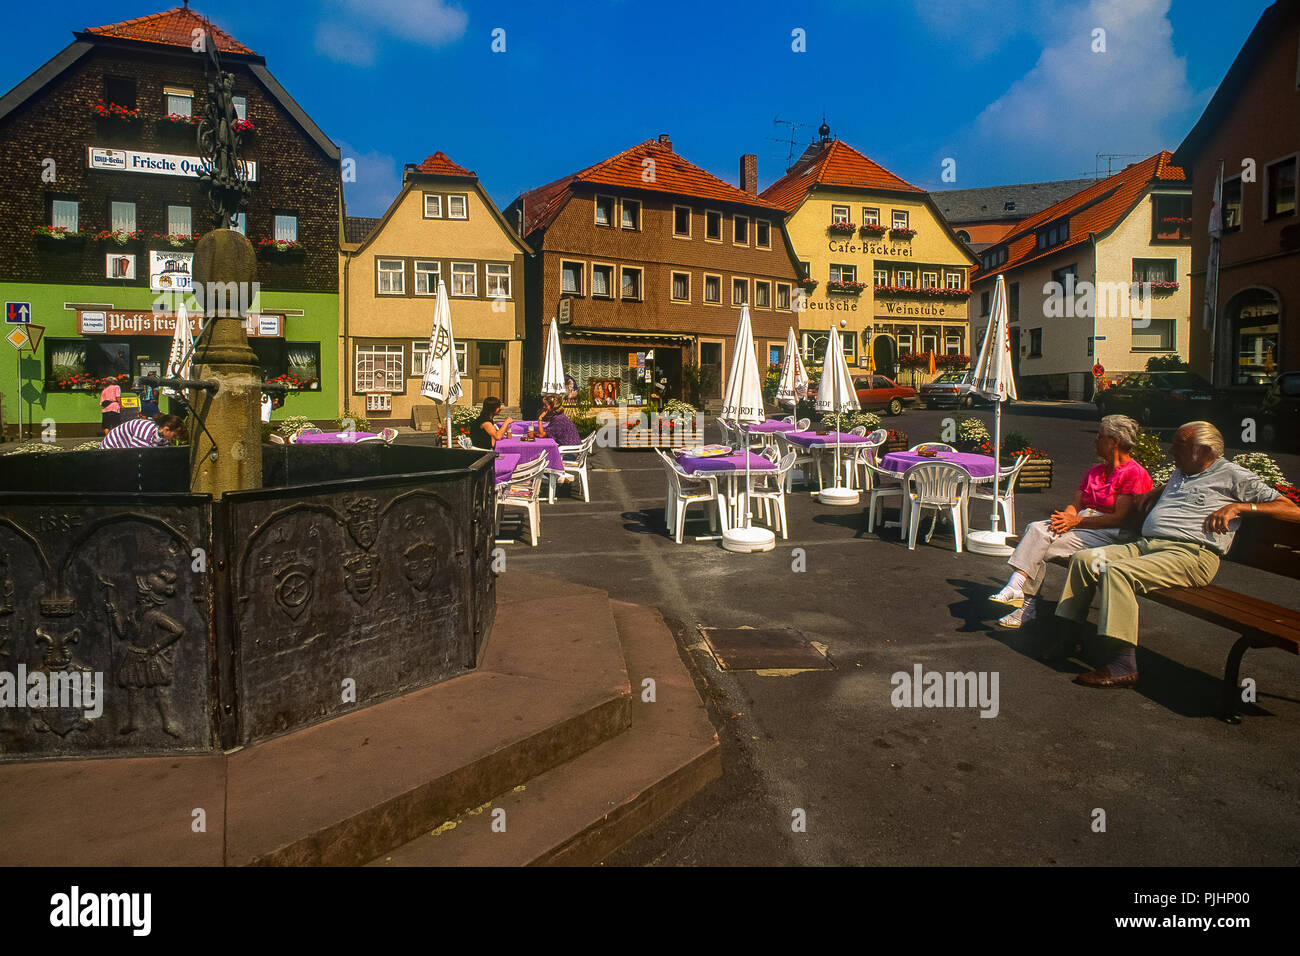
835, 393
441, 375
793, 387
553, 366
178, 362
742, 406
994, 380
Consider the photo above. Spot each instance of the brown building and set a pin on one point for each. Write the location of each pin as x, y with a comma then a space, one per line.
650, 253
1252, 128
101, 193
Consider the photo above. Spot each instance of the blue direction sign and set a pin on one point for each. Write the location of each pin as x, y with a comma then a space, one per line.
18, 313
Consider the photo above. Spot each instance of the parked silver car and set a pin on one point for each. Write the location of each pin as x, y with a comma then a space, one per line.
950, 390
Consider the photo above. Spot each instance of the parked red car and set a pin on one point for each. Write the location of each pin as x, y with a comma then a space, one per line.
877, 391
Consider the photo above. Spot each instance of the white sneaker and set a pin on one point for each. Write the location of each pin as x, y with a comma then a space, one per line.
1010, 596
1014, 619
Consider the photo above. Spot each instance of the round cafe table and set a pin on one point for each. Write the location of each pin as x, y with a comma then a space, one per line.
822, 444
979, 466
731, 467
529, 450
505, 466
771, 427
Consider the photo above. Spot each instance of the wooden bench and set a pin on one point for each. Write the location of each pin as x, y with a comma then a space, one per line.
1268, 545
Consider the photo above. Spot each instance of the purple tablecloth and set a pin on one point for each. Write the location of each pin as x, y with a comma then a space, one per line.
771, 426
505, 466
521, 428
529, 450
334, 438
813, 440
979, 466
733, 462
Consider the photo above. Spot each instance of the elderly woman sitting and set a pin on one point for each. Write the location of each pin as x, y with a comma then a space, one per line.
1104, 504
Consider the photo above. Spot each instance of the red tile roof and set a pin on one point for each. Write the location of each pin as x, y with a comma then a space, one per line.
1094, 210
835, 165
439, 165
627, 170
173, 27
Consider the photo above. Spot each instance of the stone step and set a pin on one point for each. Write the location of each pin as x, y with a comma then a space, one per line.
581, 811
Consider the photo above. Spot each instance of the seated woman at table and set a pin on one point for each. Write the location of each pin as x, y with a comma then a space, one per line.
1102, 508
553, 423
484, 422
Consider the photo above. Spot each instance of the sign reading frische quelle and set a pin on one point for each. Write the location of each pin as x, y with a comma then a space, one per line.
144, 322
160, 164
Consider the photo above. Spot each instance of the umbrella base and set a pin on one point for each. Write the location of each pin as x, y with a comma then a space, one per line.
838, 496
989, 542
747, 540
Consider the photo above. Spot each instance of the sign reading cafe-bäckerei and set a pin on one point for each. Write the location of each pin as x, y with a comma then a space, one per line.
161, 164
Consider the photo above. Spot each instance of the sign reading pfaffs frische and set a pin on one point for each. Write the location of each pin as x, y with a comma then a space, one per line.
141, 322
160, 164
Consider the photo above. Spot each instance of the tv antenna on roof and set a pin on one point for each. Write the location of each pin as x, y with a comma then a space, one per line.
793, 141
1110, 158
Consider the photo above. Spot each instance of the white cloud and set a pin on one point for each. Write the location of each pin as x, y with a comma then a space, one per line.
355, 27
1076, 103
378, 180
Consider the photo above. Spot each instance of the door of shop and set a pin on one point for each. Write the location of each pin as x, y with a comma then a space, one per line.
489, 370
711, 373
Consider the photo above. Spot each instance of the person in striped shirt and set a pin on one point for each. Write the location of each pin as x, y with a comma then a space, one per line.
145, 432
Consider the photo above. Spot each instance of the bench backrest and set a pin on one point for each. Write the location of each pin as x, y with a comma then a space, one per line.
1268, 544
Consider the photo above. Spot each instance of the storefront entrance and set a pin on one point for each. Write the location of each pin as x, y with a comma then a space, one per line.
489, 371
712, 353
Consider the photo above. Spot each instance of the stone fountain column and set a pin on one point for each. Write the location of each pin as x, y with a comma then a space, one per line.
225, 269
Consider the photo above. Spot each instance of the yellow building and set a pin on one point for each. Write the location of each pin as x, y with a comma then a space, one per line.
1098, 278
881, 264
442, 225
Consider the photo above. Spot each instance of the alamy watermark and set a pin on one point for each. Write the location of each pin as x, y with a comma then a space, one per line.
53, 690
923, 688
1101, 300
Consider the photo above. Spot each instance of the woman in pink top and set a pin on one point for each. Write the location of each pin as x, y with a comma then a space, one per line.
1097, 516
110, 407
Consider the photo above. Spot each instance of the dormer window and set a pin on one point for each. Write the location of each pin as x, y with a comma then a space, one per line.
1054, 234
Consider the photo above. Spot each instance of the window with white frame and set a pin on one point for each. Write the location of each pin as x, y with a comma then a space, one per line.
392, 276
602, 282
122, 215
682, 221
900, 219
849, 340
1153, 335
681, 287
420, 358
870, 216
952, 280
839, 213
740, 230
379, 368
929, 343
631, 214
458, 206
427, 274
905, 341
432, 206
631, 286
952, 343
65, 214
881, 277
712, 225
841, 273
464, 278
571, 277
905, 279
762, 234
929, 280
713, 289
179, 221
241, 107
178, 102
498, 280
739, 291
762, 294
286, 228
812, 346
783, 296
604, 210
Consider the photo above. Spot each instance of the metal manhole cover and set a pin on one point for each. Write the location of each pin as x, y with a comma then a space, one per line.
763, 648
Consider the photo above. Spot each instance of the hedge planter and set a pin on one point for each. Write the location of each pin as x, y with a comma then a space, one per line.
1036, 475
892, 445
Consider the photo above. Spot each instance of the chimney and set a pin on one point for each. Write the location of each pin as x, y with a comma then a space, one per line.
749, 173
665, 141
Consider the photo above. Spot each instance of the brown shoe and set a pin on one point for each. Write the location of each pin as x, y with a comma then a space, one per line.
1102, 677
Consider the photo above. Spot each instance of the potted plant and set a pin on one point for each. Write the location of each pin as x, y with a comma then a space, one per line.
895, 441
112, 111
873, 229
283, 246
844, 228
845, 285
903, 233
971, 434
176, 240
119, 236
807, 284
56, 236
1036, 474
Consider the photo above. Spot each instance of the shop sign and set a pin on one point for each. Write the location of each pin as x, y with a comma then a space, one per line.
171, 271
161, 164
899, 308
142, 322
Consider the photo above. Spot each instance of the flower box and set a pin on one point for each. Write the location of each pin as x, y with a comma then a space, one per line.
845, 286
56, 236
842, 229
895, 441
112, 111
873, 229
1164, 288
120, 237
244, 127
1035, 475
901, 233
280, 246
178, 121
176, 241
807, 284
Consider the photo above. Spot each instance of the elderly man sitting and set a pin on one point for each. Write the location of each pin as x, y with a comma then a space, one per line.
1190, 527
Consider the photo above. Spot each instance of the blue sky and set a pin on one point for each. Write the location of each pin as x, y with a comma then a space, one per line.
1012, 91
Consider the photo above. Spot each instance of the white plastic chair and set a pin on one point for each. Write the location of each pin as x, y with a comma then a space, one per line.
803, 424
866, 454
524, 491
982, 490
860, 430
803, 458
685, 490
575, 461
932, 446
769, 488
935, 486
883, 485
789, 419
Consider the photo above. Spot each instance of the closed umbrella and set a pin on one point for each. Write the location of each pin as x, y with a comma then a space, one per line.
178, 362
930, 367
993, 379
835, 393
553, 366
793, 387
441, 375
742, 406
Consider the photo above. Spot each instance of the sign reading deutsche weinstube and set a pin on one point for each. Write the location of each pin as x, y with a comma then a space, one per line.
160, 164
